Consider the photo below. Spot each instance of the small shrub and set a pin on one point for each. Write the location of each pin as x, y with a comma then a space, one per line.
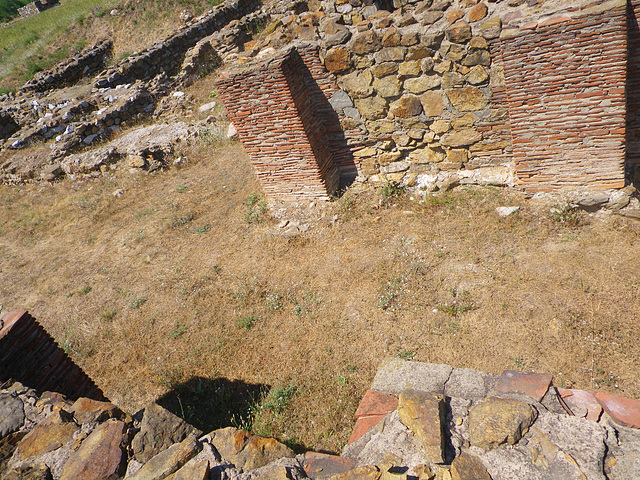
391, 189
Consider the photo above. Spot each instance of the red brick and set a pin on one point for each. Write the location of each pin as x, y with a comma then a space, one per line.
581, 400
534, 385
363, 425
623, 411
376, 403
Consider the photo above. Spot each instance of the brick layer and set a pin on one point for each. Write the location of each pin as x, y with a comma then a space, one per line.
31, 356
567, 106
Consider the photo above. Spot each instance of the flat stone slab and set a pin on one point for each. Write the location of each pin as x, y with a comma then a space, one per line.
466, 383
534, 385
395, 375
623, 411
376, 403
319, 466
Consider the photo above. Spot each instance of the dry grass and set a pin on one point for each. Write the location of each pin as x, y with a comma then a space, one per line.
169, 286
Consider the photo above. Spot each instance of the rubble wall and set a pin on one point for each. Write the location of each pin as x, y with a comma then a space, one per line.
440, 86
88, 62
28, 354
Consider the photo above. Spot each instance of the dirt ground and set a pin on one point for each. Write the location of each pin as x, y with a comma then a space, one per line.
181, 280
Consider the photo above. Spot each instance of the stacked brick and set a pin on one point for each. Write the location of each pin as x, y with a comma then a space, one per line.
28, 354
281, 128
566, 90
86, 63
633, 84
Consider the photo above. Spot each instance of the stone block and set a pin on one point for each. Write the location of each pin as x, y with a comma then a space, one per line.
496, 421
424, 415
395, 375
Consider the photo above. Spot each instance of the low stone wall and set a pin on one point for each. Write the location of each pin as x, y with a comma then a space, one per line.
167, 56
417, 421
30, 355
86, 63
34, 8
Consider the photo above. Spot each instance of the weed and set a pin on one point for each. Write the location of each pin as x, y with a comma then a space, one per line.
215, 136
342, 379
138, 302
279, 398
405, 354
390, 294
390, 190
454, 310
177, 332
256, 209
566, 214
204, 229
125, 55
274, 301
247, 322
86, 290
181, 188
181, 220
519, 363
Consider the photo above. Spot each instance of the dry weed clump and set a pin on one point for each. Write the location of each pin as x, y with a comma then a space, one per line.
237, 324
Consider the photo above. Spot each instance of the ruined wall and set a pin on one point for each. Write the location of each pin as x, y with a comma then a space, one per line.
167, 56
633, 86
88, 62
31, 356
281, 127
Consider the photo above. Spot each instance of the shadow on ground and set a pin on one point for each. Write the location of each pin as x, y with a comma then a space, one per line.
211, 404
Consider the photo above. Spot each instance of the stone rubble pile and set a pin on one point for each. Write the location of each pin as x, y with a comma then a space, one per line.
417, 422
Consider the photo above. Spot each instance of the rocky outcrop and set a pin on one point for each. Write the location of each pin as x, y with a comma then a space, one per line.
47, 437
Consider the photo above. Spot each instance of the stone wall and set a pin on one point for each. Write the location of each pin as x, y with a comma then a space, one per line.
435, 92
36, 7
87, 62
30, 355
633, 86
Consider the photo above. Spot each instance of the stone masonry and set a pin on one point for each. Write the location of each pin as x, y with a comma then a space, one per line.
418, 421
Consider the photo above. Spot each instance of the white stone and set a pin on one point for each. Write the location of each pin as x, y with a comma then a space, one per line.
506, 211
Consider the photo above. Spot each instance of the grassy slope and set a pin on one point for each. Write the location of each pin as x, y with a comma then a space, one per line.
41, 41
172, 283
